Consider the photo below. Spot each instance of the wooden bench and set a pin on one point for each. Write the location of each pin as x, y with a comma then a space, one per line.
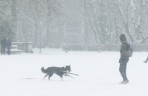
15, 50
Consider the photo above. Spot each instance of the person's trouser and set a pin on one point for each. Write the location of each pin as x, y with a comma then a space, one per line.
3, 50
8, 51
122, 70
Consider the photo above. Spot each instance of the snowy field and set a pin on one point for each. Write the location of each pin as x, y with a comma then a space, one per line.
20, 74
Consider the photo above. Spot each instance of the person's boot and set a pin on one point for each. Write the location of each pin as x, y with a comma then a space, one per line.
125, 81
145, 61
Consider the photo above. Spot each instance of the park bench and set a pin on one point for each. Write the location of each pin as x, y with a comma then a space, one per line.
14, 49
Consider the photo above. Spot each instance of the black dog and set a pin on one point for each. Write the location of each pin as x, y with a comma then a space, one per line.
60, 71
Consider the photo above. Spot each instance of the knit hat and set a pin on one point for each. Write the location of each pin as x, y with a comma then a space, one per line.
122, 38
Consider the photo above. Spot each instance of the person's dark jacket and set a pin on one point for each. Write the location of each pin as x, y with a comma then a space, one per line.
123, 50
8, 44
3, 42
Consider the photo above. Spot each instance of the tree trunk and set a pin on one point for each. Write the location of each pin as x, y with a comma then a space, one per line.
14, 17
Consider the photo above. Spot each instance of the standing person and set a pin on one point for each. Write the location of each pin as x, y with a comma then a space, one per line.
146, 59
3, 45
8, 46
124, 58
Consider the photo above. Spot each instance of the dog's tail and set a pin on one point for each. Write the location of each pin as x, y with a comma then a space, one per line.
43, 70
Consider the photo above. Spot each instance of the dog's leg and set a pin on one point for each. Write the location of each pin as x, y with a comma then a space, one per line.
61, 78
45, 76
49, 78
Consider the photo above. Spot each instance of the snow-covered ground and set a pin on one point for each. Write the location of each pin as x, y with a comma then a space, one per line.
20, 74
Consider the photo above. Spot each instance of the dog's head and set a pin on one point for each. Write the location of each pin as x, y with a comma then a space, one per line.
68, 68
